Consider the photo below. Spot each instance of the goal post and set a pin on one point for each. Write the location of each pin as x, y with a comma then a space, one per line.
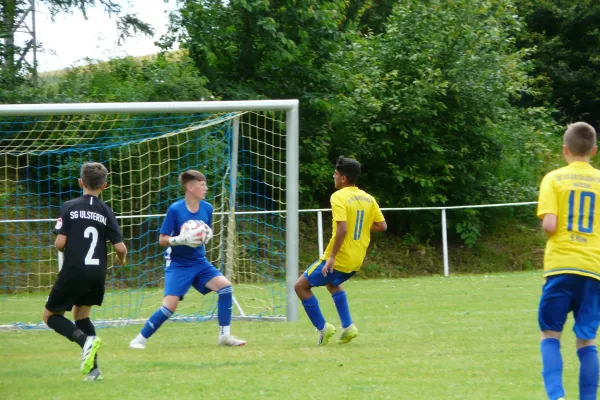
248, 151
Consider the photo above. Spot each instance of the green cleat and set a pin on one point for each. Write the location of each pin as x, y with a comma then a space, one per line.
348, 334
92, 344
94, 375
325, 334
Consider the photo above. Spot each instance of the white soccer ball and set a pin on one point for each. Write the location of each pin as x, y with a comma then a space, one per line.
199, 228
190, 226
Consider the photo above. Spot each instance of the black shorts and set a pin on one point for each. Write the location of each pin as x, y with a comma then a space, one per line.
72, 289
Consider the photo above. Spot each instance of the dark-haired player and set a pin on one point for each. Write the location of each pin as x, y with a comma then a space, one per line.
355, 215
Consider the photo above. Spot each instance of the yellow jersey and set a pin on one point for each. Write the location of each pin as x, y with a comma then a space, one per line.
572, 193
359, 209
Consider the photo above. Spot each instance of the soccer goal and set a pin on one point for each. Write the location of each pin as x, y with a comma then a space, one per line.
248, 151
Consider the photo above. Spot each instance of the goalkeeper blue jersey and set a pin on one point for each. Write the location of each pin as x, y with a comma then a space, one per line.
177, 215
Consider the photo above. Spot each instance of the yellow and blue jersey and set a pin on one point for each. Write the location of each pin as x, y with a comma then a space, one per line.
359, 210
572, 193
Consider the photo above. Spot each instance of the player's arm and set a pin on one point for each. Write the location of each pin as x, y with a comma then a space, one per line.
121, 251
549, 223
115, 236
340, 236
62, 227
379, 224
339, 211
61, 242
168, 227
547, 209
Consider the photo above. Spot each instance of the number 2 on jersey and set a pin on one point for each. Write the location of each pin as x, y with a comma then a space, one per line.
89, 258
584, 214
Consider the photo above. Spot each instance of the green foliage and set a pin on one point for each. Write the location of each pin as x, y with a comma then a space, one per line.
129, 79
255, 49
428, 108
566, 36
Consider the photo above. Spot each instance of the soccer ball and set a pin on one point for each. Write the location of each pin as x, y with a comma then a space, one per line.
191, 225
199, 228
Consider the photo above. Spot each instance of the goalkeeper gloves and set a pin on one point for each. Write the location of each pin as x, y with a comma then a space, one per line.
191, 239
208, 234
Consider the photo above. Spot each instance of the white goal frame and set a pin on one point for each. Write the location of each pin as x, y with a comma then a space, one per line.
291, 107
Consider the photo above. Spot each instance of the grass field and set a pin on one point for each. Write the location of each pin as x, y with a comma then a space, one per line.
463, 337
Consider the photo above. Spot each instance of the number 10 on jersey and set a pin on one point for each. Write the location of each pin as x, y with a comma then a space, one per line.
587, 202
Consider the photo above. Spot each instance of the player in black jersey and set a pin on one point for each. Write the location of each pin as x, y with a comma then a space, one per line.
84, 226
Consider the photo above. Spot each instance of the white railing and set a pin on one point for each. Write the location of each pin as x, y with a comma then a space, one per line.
320, 211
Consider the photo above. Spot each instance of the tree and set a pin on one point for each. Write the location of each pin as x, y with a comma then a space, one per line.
15, 68
428, 107
566, 36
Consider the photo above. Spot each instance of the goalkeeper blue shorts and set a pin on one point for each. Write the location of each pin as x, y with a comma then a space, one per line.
179, 279
564, 293
314, 275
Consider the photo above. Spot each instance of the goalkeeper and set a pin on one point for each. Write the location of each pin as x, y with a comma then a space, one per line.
186, 263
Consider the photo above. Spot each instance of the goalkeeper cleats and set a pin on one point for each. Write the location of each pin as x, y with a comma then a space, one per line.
139, 342
228, 340
348, 334
90, 349
326, 334
94, 375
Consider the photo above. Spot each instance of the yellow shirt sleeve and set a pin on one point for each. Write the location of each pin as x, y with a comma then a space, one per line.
338, 208
548, 200
378, 214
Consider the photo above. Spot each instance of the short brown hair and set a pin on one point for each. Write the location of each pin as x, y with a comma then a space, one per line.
580, 138
93, 175
191, 175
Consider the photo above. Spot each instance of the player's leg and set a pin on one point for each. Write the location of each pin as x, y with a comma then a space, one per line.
63, 326
555, 304
59, 301
81, 315
587, 318
177, 283
210, 279
84, 300
313, 277
349, 329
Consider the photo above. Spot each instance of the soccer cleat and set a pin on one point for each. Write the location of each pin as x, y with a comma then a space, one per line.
325, 334
348, 334
94, 375
90, 348
139, 342
228, 340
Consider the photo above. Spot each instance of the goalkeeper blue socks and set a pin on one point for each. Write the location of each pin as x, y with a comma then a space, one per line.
341, 304
588, 372
552, 368
311, 306
224, 305
155, 321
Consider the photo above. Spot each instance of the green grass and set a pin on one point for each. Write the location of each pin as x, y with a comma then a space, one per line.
462, 337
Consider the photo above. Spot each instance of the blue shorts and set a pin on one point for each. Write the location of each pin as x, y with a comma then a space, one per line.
569, 292
178, 279
315, 277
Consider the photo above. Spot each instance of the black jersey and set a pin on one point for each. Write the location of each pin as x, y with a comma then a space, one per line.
88, 223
